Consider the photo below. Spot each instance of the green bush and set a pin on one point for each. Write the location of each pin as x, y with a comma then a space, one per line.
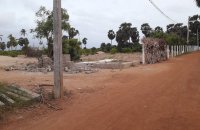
72, 47
127, 50
86, 52
113, 50
13, 53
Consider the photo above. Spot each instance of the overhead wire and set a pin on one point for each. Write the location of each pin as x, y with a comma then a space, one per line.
162, 12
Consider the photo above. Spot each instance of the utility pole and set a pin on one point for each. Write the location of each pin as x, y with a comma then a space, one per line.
57, 32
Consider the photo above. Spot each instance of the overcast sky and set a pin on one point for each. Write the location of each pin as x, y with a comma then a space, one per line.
93, 18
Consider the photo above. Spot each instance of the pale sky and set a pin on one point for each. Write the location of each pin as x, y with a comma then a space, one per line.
93, 18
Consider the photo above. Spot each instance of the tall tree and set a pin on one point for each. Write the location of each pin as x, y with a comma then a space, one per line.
2, 46
12, 41
84, 41
198, 3
72, 32
146, 29
134, 34
1, 37
23, 32
44, 26
125, 35
103, 46
158, 29
111, 35
23, 42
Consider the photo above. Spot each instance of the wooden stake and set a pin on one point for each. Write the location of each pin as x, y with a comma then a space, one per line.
58, 71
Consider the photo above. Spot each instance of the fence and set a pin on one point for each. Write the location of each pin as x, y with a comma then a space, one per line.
173, 51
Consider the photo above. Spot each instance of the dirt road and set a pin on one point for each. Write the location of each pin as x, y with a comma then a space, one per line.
164, 96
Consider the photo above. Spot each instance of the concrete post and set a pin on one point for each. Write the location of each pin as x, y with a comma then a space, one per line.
177, 51
143, 53
168, 51
58, 69
172, 51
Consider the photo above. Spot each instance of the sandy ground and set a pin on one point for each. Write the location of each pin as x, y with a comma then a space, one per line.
119, 56
20, 60
163, 96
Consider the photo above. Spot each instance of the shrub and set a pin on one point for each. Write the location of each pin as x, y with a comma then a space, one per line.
126, 50
32, 52
113, 50
13, 53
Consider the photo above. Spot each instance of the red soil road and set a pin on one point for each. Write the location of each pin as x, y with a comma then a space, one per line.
164, 96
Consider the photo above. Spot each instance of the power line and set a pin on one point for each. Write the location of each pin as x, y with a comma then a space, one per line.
161, 11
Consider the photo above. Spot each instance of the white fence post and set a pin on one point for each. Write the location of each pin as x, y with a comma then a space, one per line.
177, 51
143, 54
172, 51
168, 51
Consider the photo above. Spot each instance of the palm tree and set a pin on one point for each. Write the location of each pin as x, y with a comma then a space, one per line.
111, 35
2, 46
146, 29
23, 32
158, 29
84, 41
1, 37
198, 3
72, 32
12, 41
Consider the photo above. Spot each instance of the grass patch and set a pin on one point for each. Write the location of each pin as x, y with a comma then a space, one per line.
13, 53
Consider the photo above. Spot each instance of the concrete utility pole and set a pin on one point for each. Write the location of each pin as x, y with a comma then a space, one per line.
57, 32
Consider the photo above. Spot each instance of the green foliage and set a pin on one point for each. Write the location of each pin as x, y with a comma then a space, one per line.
23, 41
12, 41
106, 47
84, 41
44, 26
169, 38
126, 34
111, 35
86, 52
94, 50
113, 51
146, 29
72, 47
126, 50
2, 46
72, 32
129, 48
12, 53
23, 32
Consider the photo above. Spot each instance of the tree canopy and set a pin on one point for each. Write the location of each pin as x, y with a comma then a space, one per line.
111, 35
44, 26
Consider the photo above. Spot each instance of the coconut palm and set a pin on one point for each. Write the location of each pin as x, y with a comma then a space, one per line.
111, 35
